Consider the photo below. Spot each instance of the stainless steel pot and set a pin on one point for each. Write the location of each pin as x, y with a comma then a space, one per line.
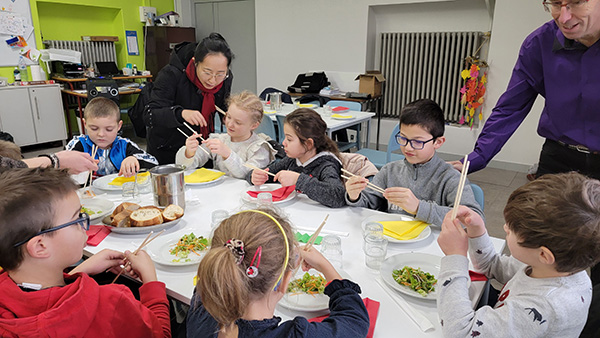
168, 185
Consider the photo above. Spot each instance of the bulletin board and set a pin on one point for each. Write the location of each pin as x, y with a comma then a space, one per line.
15, 20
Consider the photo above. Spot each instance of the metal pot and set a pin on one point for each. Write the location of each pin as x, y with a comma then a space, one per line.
168, 185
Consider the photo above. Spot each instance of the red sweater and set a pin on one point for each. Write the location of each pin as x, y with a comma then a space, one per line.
83, 309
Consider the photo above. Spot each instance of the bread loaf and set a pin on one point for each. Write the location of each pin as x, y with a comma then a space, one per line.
172, 212
145, 217
123, 206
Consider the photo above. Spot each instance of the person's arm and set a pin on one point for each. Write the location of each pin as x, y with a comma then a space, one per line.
274, 168
259, 157
145, 160
370, 198
163, 111
326, 189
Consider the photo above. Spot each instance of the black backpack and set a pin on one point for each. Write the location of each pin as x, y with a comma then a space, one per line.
136, 112
309, 83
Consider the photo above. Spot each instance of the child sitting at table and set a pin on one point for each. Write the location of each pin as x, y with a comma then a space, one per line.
553, 233
102, 119
239, 146
312, 161
247, 271
44, 232
422, 185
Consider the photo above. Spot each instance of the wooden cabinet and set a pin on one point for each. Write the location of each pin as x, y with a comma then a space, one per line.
32, 114
160, 41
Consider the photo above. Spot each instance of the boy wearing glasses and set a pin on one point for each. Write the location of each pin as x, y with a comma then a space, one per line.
422, 185
44, 232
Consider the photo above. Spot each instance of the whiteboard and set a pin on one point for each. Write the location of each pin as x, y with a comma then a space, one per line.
15, 16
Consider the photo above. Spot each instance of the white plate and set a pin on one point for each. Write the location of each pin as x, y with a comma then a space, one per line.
159, 249
141, 230
100, 206
209, 183
397, 217
426, 262
343, 118
307, 302
266, 188
103, 183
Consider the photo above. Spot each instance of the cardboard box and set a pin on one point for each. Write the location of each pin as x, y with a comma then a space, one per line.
100, 38
370, 82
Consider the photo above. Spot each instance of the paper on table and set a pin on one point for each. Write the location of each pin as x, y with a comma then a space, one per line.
202, 175
338, 116
403, 230
422, 322
120, 179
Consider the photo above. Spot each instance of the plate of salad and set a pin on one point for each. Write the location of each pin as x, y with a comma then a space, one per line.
96, 208
413, 274
179, 249
305, 292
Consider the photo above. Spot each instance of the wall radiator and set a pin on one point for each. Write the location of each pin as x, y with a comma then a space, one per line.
91, 51
425, 65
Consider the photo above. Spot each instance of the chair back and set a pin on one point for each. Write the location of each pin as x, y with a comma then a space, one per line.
267, 127
392, 143
478, 193
281, 134
356, 106
219, 126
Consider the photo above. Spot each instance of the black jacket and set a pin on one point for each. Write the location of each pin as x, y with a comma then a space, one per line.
172, 93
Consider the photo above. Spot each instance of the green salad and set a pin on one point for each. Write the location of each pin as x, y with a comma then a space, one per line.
416, 279
187, 245
308, 284
89, 211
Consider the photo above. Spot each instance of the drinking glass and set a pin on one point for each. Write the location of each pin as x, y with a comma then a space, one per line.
130, 190
331, 248
217, 217
375, 250
327, 110
264, 200
143, 182
373, 229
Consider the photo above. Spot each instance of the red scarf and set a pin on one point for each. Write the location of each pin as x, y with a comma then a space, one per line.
208, 101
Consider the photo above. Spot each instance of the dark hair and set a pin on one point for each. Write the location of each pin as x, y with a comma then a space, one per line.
10, 150
27, 204
101, 107
562, 213
425, 113
223, 285
213, 44
307, 123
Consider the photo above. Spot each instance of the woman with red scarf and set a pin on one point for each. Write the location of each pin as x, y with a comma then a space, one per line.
186, 90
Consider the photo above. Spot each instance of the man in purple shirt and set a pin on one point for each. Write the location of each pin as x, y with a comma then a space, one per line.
561, 62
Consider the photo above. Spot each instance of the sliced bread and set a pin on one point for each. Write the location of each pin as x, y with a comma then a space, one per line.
123, 206
172, 212
145, 217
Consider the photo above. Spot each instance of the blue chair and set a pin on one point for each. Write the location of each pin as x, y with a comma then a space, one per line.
219, 127
280, 119
344, 146
380, 158
267, 127
478, 193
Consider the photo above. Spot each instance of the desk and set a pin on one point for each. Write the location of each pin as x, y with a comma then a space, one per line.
365, 103
303, 212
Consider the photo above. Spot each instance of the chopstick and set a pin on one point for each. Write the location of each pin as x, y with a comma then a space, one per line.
193, 131
369, 184
89, 180
146, 241
186, 136
310, 242
257, 168
220, 110
461, 186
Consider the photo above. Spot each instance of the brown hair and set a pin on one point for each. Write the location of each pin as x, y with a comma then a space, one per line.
223, 285
10, 150
249, 103
562, 213
27, 207
307, 123
101, 107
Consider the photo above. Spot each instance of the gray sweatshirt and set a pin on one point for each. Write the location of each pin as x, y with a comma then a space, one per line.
434, 183
527, 307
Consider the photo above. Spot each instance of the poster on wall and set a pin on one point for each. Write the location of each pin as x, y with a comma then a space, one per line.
16, 32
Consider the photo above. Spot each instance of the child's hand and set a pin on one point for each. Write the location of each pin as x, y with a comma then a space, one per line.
259, 177
100, 262
453, 238
472, 221
286, 177
129, 166
194, 117
314, 259
217, 147
141, 266
402, 197
191, 146
354, 186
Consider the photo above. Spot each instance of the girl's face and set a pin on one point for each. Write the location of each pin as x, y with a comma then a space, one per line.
239, 123
212, 70
292, 145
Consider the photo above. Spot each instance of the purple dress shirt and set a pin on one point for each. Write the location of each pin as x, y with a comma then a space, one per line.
567, 74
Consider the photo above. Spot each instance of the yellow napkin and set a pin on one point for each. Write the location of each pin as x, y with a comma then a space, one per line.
306, 105
202, 175
270, 111
338, 116
119, 180
403, 230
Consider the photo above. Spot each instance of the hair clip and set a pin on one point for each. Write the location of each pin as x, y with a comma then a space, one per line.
237, 249
252, 271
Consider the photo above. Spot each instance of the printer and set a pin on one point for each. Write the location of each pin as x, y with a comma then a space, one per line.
68, 69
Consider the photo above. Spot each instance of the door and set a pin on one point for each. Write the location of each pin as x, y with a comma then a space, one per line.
235, 21
15, 115
48, 113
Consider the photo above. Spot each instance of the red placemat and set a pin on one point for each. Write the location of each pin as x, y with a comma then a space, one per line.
97, 233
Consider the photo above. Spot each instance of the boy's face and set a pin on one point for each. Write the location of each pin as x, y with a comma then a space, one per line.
239, 123
68, 243
418, 133
528, 256
102, 130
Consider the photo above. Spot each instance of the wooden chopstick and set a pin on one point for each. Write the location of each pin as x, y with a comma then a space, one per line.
193, 131
200, 146
90, 177
257, 168
220, 110
310, 242
461, 186
146, 241
369, 184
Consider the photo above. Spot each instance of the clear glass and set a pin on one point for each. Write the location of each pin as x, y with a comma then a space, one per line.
331, 248
327, 110
373, 229
264, 200
143, 182
130, 190
217, 217
375, 250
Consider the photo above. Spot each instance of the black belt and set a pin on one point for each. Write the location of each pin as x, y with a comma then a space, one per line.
579, 148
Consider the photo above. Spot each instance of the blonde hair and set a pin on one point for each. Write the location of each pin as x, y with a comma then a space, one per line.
10, 150
249, 103
101, 107
223, 285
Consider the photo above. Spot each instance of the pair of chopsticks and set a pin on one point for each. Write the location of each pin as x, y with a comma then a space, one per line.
369, 184
89, 180
220, 110
144, 243
257, 168
194, 133
461, 186
310, 242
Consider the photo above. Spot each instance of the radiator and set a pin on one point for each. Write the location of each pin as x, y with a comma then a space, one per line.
425, 65
91, 51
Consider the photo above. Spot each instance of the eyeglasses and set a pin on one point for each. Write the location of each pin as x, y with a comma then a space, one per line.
83, 221
218, 77
415, 144
573, 6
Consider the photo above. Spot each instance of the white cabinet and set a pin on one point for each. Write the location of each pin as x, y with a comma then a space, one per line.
32, 114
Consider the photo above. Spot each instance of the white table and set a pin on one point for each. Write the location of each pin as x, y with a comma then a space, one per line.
305, 213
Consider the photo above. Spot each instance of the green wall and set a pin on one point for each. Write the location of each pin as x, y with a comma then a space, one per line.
69, 20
